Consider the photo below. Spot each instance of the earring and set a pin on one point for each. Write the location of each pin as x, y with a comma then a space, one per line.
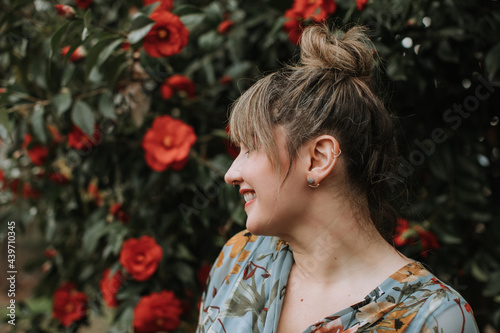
310, 182
338, 154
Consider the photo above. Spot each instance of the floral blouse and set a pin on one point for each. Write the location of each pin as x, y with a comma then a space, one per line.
246, 287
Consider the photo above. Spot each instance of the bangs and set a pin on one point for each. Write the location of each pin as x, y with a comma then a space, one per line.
252, 119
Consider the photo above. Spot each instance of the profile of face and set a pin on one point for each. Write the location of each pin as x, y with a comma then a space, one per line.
274, 205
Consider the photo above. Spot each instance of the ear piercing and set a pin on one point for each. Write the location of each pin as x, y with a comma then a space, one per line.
310, 182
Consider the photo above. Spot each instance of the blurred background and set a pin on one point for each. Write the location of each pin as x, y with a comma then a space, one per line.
113, 147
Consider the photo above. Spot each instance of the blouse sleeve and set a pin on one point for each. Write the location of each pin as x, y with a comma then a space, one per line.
452, 316
229, 262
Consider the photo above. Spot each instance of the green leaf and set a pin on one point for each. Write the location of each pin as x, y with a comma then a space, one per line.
38, 123
56, 38
106, 106
62, 102
4, 125
106, 52
87, 19
92, 236
82, 116
140, 27
85, 33
69, 69
214, 12
478, 272
492, 60
447, 53
192, 21
210, 40
183, 10
94, 53
149, 9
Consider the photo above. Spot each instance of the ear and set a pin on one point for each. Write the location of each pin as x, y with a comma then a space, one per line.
322, 154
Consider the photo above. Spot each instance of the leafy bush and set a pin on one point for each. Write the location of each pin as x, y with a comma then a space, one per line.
113, 119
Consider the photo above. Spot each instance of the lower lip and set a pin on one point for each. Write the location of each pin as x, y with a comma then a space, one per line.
249, 203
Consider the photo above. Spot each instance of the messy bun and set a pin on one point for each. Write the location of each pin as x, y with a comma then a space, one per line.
328, 92
349, 54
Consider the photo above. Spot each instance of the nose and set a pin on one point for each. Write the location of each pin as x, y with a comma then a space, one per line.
233, 175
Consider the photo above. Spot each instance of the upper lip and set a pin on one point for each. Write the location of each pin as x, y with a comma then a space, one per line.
245, 190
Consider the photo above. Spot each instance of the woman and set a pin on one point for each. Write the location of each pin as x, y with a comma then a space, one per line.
316, 148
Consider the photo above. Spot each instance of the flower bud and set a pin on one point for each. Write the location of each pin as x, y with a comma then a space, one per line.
65, 11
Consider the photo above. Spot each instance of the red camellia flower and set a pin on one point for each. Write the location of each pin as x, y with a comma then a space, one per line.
361, 4
140, 257
165, 5
125, 46
203, 273
69, 304
93, 192
401, 237
302, 10
36, 152
65, 11
318, 10
177, 83
2, 179
2, 90
56, 136
167, 143
428, 240
157, 312
77, 55
29, 192
293, 26
225, 26
50, 253
83, 4
109, 286
58, 178
226, 79
78, 139
117, 211
231, 149
167, 37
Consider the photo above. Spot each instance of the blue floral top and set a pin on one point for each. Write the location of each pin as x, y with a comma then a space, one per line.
247, 283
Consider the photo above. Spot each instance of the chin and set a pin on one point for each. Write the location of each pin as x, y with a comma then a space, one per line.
259, 228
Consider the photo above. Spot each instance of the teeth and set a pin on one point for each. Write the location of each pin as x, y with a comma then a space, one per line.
249, 196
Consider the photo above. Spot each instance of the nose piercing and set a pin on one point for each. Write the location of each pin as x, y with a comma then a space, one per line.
234, 181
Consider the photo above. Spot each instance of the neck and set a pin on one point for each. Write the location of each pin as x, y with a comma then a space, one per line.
336, 242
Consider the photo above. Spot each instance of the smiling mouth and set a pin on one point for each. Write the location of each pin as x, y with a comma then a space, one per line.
249, 196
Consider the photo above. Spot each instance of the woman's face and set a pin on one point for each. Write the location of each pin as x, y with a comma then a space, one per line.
271, 209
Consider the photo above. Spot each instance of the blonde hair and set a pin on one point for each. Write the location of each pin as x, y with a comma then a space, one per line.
327, 92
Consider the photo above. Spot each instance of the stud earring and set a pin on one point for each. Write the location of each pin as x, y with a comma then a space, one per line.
338, 154
310, 182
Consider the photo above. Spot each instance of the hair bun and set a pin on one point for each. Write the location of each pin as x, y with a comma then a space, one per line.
351, 53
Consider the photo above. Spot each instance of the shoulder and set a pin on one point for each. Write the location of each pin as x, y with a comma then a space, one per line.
446, 311
420, 302
238, 250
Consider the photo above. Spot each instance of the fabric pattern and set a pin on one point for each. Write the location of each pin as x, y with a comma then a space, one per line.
247, 283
